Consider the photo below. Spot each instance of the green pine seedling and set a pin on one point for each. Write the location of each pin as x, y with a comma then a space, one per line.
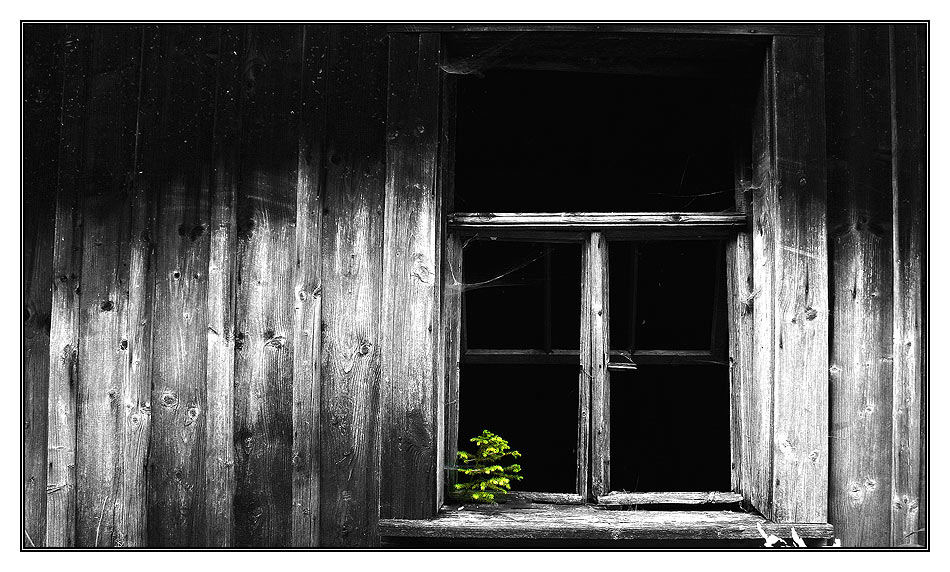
486, 475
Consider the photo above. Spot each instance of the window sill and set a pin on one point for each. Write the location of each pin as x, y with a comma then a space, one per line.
586, 522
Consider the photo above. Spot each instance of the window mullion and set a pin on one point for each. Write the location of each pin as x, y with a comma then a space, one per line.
596, 278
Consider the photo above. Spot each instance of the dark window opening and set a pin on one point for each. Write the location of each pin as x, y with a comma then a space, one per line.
534, 407
539, 141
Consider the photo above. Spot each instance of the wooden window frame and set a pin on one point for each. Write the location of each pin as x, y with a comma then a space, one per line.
737, 229
777, 272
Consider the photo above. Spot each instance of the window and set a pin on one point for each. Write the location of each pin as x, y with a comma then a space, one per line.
588, 246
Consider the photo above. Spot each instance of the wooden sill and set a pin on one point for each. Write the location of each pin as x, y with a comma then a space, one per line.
566, 522
687, 498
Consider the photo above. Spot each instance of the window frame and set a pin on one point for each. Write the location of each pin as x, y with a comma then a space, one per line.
777, 158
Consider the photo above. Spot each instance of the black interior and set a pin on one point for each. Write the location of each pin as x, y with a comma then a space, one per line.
545, 141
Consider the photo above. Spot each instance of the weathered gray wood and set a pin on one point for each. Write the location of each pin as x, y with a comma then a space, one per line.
908, 109
134, 425
588, 522
675, 498
585, 381
64, 313
266, 218
743, 29
629, 225
219, 487
447, 376
553, 498
452, 323
596, 278
176, 167
755, 407
42, 105
410, 297
308, 289
351, 273
861, 244
108, 169
800, 415
520, 356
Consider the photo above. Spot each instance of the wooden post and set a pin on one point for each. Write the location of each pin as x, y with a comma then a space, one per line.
410, 296
595, 277
800, 411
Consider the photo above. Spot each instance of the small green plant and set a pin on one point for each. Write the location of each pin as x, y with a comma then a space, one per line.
486, 475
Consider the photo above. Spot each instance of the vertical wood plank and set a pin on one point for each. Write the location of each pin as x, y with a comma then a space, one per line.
108, 170
42, 106
351, 273
908, 109
596, 280
450, 263
800, 431
219, 484
756, 395
177, 125
452, 323
308, 289
584, 380
64, 313
410, 297
739, 304
134, 424
860, 237
265, 291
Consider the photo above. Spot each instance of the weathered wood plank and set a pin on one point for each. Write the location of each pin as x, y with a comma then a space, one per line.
596, 278
755, 406
42, 108
450, 268
908, 109
266, 255
675, 498
452, 323
308, 289
587, 522
351, 272
738, 28
108, 170
658, 224
800, 416
860, 240
177, 126
134, 425
585, 380
410, 299
64, 313
217, 528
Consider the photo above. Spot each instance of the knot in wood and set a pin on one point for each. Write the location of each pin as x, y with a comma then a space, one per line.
107, 306
169, 399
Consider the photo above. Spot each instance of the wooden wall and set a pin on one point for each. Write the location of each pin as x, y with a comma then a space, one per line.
209, 310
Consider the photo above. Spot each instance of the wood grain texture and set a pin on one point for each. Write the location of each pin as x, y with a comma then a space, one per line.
860, 240
588, 522
755, 405
42, 105
674, 498
305, 512
596, 282
177, 123
108, 169
585, 380
266, 254
908, 116
688, 224
449, 249
64, 313
410, 294
352, 238
800, 420
218, 526
452, 324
